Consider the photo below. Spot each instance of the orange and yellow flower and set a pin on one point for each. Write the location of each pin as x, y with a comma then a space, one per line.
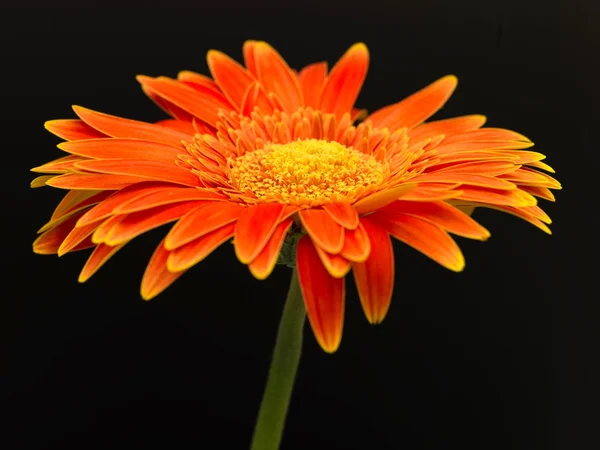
263, 154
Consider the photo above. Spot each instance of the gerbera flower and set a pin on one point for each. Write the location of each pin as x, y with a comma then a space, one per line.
267, 157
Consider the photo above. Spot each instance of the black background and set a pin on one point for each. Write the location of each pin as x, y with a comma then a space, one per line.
502, 356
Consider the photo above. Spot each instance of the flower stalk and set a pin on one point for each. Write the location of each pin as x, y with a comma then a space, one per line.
284, 365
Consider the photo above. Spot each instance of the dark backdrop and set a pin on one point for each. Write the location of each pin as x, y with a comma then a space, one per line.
501, 356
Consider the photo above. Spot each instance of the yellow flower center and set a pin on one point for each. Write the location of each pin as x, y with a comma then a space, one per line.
310, 172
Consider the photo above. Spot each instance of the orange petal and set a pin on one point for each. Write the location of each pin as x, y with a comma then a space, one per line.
463, 178
381, 198
514, 197
72, 205
190, 254
166, 197
323, 296
99, 256
423, 193
134, 224
447, 127
446, 149
74, 238
178, 125
232, 77
441, 214
168, 107
253, 229
248, 50
72, 129
486, 168
119, 127
60, 165
262, 266
336, 265
40, 181
343, 213
194, 79
93, 181
541, 192
75, 200
201, 221
49, 242
204, 104
275, 75
357, 245
425, 237
255, 97
153, 170
375, 277
531, 177
345, 81
157, 277
323, 230
104, 228
105, 209
311, 79
123, 148
487, 135
522, 213
417, 108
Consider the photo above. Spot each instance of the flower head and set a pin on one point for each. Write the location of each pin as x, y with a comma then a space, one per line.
262, 155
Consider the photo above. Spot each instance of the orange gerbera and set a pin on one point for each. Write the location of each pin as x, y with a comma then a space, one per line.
270, 158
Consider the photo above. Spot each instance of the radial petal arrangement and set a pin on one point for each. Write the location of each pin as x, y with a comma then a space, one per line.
261, 152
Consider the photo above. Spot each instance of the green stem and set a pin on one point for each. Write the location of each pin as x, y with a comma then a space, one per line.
280, 381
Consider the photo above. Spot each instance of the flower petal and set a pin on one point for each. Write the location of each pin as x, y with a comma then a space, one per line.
72, 129
93, 181
336, 265
381, 198
119, 127
343, 213
40, 181
464, 178
416, 108
375, 277
253, 229
106, 207
276, 76
190, 254
74, 238
262, 266
233, 79
447, 127
203, 103
514, 197
345, 81
323, 296
178, 125
166, 197
248, 51
60, 165
423, 236
201, 221
137, 223
323, 230
123, 148
153, 170
72, 204
441, 214
157, 277
357, 245
311, 79
99, 256
49, 242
